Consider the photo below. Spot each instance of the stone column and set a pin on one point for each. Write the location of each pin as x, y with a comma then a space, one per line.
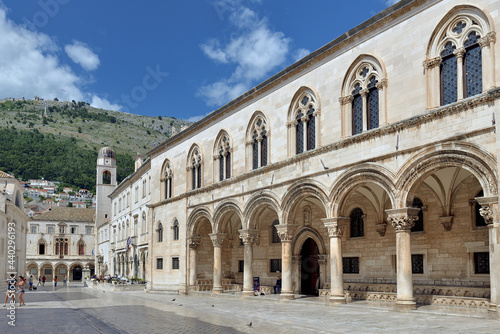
217, 240
286, 233
335, 228
459, 53
364, 96
382, 100
489, 211
248, 237
487, 44
322, 271
431, 66
403, 220
194, 243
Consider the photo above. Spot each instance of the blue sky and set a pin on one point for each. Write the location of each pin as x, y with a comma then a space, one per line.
161, 57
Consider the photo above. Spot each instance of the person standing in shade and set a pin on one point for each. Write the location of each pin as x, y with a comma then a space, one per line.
64, 280
43, 280
21, 285
11, 290
31, 282
55, 282
277, 287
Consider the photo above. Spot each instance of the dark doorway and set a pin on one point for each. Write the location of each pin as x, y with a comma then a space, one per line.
309, 270
77, 273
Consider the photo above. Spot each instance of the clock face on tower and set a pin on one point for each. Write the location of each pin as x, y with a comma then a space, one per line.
107, 161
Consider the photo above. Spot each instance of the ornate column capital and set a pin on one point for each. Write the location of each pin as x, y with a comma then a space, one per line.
286, 232
248, 236
335, 226
486, 210
381, 84
459, 53
346, 99
217, 238
194, 242
402, 219
486, 40
364, 92
431, 63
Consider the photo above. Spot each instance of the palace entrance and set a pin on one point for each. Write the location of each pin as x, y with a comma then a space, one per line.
309, 269
77, 273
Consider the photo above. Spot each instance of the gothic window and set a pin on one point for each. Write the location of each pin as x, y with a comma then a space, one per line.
176, 230
275, 237
61, 247
106, 177
41, 247
167, 179
419, 223
222, 153
480, 222
304, 116
357, 224
81, 248
258, 141
460, 55
160, 232
195, 167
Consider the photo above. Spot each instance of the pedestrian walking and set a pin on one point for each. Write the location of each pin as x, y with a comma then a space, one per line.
21, 285
11, 290
55, 282
43, 280
39, 281
31, 282
64, 280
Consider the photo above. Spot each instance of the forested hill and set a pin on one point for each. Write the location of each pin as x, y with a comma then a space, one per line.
62, 143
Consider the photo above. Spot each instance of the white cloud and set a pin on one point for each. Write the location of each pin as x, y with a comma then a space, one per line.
104, 104
197, 118
300, 53
390, 2
29, 66
254, 49
81, 54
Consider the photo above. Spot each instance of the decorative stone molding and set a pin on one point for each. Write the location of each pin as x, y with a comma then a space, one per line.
486, 210
487, 214
346, 100
382, 84
431, 63
335, 226
364, 93
286, 232
459, 53
447, 222
248, 236
194, 242
217, 239
402, 219
486, 40
381, 229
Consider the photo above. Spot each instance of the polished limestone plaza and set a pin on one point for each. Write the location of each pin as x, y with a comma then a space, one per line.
75, 309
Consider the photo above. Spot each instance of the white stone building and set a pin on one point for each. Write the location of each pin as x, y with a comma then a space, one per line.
366, 170
60, 243
13, 227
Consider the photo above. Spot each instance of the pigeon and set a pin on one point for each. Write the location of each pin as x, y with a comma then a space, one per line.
249, 324
173, 300
212, 305
180, 304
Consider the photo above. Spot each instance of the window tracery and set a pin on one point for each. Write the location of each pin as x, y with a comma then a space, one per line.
304, 121
222, 153
195, 163
258, 141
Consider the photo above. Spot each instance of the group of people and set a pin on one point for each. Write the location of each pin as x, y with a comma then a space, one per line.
12, 286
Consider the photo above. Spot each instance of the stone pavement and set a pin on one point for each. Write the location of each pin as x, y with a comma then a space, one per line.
76, 309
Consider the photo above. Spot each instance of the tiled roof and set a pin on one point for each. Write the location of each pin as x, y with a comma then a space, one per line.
3, 174
67, 214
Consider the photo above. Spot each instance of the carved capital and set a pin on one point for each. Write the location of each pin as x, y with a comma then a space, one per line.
248, 236
335, 226
381, 84
346, 99
447, 222
364, 93
381, 229
459, 53
487, 209
487, 214
402, 219
485, 41
431, 63
286, 232
217, 239
194, 242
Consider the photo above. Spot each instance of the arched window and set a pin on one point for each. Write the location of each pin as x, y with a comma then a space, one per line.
160, 232
41, 247
257, 141
419, 223
363, 100
479, 219
81, 247
357, 224
302, 122
106, 177
167, 179
195, 163
459, 46
222, 153
61, 247
275, 237
175, 229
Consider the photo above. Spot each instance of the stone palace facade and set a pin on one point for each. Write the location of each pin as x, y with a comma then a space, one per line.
366, 170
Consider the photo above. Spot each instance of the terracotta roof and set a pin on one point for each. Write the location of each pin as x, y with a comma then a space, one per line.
67, 214
3, 174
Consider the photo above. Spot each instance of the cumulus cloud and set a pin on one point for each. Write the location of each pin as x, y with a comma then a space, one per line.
81, 54
29, 65
300, 53
254, 49
391, 2
104, 104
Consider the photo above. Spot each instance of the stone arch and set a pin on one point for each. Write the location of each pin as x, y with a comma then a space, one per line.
195, 217
257, 201
358, 176
458, 154
305, 233
301, 189
224, 208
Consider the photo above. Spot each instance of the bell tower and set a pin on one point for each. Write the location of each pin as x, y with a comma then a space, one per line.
106, 183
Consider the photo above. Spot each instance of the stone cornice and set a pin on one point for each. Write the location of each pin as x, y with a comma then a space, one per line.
431, 115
